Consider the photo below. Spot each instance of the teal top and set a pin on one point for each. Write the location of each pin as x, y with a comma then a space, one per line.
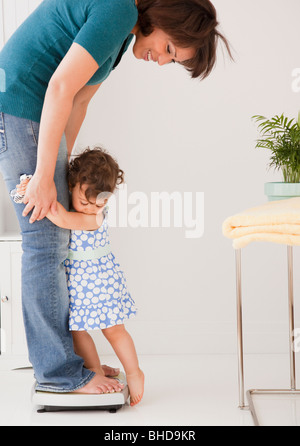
32, 54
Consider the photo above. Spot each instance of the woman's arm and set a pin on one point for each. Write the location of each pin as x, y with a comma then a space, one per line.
75, 220
78, 113
74, 71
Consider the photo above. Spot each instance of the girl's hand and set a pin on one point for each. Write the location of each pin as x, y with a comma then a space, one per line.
41, 196
21, 188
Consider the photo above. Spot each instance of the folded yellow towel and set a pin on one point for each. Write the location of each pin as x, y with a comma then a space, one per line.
275, 221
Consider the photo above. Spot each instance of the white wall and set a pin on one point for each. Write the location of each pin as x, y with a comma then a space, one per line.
170, 133
14, 12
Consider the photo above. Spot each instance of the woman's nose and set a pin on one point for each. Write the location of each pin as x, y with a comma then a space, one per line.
164, 59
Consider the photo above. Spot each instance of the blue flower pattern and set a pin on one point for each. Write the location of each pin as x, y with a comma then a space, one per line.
97, 288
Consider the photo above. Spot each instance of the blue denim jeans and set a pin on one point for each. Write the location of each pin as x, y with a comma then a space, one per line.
45, 299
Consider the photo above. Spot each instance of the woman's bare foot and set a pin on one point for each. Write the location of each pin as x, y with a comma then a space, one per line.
101, 384
136, 386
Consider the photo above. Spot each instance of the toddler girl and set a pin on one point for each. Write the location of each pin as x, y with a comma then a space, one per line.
99, 299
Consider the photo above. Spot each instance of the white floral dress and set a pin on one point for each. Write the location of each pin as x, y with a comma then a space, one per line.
97, 286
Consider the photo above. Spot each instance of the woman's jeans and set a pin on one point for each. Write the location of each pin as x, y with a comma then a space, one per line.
45, 299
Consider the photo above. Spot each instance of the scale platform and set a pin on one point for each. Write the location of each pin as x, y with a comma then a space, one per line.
57, 402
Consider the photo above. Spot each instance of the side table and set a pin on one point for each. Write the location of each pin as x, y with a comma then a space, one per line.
250, 393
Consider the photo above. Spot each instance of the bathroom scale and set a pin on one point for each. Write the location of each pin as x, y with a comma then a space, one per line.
57, 402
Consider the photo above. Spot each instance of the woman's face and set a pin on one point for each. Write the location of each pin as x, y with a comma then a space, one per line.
158, 47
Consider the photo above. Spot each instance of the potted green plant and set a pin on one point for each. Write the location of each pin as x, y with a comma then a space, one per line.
281, 135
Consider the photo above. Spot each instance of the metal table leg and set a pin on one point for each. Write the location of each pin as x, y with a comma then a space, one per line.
291, 317
250, 393
242, 405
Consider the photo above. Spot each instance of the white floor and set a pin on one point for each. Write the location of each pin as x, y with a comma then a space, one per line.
180, 391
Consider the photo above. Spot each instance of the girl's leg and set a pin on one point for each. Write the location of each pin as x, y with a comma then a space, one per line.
85, 347
123, 345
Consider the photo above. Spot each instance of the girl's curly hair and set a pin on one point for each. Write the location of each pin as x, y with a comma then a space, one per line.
96, 169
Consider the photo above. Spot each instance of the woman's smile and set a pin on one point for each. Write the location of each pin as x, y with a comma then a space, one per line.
148, 56
158, 47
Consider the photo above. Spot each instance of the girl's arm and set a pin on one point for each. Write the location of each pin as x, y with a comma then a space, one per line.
74, 71
75, 220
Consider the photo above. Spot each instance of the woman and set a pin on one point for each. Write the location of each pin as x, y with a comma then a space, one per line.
54, 64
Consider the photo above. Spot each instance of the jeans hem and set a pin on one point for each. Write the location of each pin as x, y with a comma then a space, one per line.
41, 388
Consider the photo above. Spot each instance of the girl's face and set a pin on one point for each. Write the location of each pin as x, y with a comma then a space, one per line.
81, 204
158, 47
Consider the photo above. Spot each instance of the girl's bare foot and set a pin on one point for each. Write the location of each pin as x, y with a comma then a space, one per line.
110, 371
101, 384
105, 370
136, 386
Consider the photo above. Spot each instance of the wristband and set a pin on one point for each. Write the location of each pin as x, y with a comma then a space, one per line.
15, 195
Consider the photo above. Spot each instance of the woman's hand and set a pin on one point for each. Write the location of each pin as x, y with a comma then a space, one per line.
41, 196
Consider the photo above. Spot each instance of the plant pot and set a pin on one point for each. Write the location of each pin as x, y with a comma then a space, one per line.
282, 191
